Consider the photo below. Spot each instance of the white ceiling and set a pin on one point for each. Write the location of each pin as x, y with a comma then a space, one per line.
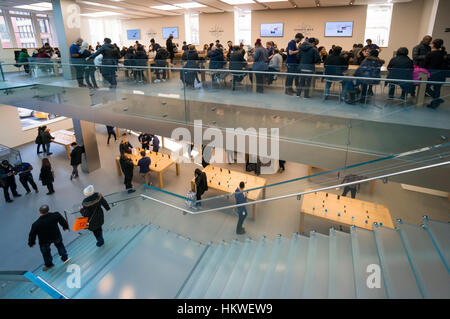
131, 9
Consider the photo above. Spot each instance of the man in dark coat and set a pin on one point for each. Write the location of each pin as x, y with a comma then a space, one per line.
421, 50
400, 67
335, 64
111, 56
144, 139
75, 158
92, 209
47, 231
308, 57
8, 180
127, 167
170, 48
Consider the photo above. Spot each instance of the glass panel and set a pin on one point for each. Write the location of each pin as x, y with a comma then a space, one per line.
24, 32
4, 33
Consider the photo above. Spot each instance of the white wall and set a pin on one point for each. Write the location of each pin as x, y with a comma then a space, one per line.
11, 133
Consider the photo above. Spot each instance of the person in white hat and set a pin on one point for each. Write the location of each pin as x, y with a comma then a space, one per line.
92, 209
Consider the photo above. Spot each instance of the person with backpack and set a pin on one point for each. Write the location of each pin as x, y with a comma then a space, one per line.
92, 209
47, 230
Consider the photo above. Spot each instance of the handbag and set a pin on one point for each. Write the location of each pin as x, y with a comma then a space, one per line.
80, 223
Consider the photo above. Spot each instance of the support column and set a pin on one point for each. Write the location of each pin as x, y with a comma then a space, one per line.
67, 22
85, 134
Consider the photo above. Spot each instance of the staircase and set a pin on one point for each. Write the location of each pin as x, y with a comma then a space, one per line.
412, 262
144, 261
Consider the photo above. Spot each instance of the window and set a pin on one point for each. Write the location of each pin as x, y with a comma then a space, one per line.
4, 33
192, 28
242, 26
378, 24
23, 32
43, 26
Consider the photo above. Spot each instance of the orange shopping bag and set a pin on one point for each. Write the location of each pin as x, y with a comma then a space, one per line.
80, 223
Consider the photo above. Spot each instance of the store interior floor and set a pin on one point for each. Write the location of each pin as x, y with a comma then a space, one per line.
275, 217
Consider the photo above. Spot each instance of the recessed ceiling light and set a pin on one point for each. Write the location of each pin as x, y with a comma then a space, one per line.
99, 4
40, 6
101, 14
190, 5
236, 2
166, 7
273, 0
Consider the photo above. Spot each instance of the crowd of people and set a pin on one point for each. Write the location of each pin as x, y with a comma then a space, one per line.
300, 57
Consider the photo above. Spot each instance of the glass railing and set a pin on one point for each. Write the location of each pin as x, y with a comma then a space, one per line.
377, 121
154, 205
25, 285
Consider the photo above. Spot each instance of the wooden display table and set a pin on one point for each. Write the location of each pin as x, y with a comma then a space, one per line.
64, 138
159, 163
344, 210
227, 181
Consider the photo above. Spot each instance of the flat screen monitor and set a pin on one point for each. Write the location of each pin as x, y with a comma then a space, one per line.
133, 34
170, 31
271, 29
339, 29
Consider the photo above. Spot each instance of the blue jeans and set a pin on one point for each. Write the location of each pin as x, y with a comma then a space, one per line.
46, 252
75, 170
242, 212
291, 68
98, 233
47, 147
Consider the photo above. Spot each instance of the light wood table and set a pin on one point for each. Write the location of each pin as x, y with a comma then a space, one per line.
344, 210
159, 163
64, 138
149, 71
227, 181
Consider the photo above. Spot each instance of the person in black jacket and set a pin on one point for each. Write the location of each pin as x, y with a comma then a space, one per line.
47, 230
400, 67
201, 184
145, 140
128, 62
92, 209
24, 170
75, 158
38, 140
125, 146
111, 56
111, 132
170, 48
8, 180
140, 59
216, 61
421, 50
46, 139
308, 57
436, 64
190, 59
161, 61
127, 167
335, 64
237, 62
89, 71
46, 176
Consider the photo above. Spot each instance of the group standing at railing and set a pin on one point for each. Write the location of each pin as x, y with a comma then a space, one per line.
301, 57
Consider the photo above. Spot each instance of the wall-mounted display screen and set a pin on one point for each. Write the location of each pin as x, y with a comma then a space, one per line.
339, 29
271, 29
170, 31
133, 34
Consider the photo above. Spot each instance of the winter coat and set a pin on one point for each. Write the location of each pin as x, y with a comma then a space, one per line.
216, 59
127, 166
370, 68
92, 209
419, 53
46, 229
140, 59
335, 64
435, 62
75, 155
308, 57
46, 137
400, 67
46, 176
161, 56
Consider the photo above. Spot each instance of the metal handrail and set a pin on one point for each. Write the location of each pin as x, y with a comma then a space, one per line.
183, 209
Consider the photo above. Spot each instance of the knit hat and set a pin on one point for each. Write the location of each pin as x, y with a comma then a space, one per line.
88, 191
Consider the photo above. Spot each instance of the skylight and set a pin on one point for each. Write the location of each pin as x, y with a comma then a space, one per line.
101, 14
189, 5
165, 7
